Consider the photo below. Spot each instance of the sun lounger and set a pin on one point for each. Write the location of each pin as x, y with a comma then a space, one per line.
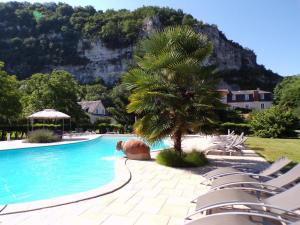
272, 184
281, 204
235, 145
247, 183
240, 218
269, 171
226, 139
223, 141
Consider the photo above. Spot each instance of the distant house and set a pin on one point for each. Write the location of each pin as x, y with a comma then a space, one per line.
94, 109
247, 99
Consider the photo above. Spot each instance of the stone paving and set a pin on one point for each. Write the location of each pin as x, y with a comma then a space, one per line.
156, 195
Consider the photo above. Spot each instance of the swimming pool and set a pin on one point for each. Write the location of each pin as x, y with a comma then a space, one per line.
38, 173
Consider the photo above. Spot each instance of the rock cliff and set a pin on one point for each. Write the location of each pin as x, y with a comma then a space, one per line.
102, 62
109, 63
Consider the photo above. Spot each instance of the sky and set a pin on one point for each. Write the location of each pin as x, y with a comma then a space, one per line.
271, 28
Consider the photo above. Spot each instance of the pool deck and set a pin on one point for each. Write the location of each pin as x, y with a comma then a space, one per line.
155, 195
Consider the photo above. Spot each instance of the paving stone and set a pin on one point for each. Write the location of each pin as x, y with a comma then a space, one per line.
174, 210
150, 219
119, 209
119, 220
176, 221
150, 205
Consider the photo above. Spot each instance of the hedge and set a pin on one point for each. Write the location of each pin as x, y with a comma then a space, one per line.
275, 122
237, 127
106, 127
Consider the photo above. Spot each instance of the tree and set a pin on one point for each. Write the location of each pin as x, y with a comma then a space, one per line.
110, 33
57, 90
275, 122
287, 93
119, 97
94, 92
171, 91
10, 106
189, 20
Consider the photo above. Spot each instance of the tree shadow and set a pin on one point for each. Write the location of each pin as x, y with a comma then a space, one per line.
258, 148
241, 164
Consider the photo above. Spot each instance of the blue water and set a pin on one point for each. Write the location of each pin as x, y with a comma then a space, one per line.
46, 172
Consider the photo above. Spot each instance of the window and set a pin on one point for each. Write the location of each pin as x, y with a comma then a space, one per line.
224, 99
262, 106
233, 97
247, 97
262, 96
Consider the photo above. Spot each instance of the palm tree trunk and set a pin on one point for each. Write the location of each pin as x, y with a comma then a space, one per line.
177, 141
3, 136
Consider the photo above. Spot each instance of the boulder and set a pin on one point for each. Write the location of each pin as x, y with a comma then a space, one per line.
134, 149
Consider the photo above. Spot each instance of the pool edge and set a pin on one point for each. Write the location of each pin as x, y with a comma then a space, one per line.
38, 145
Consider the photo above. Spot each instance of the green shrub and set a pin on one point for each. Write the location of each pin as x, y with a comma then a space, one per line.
170, 158
195, 158
275, 122
101, 120
237, 127
105, 127
228, 115
42, 136
174, 159
46, 125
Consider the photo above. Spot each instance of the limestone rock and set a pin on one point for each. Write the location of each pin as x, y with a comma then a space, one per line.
110, 64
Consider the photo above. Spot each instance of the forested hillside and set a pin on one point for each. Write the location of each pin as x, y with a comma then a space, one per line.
92, 44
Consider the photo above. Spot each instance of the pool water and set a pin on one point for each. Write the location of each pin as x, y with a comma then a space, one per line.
38, 173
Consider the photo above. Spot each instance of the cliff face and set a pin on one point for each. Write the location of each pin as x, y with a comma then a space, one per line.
109, 64
227, 55
102, 62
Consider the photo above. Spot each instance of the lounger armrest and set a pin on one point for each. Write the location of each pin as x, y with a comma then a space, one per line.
239, 173
284, 211
218, 205
261, 215
252, 183
260, 190
262, 205
258, 175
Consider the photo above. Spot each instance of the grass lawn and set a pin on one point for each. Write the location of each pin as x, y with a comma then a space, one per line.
272, 149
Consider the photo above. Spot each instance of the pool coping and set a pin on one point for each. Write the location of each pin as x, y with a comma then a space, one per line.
38, 145
123, 177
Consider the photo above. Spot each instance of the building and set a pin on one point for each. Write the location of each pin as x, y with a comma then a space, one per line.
94, 109
247, 99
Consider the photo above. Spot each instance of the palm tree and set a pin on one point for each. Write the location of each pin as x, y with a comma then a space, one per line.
172, 91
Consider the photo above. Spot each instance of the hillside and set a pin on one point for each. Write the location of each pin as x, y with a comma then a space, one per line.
90, 44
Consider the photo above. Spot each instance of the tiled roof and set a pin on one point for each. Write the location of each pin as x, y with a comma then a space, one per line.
249, 92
